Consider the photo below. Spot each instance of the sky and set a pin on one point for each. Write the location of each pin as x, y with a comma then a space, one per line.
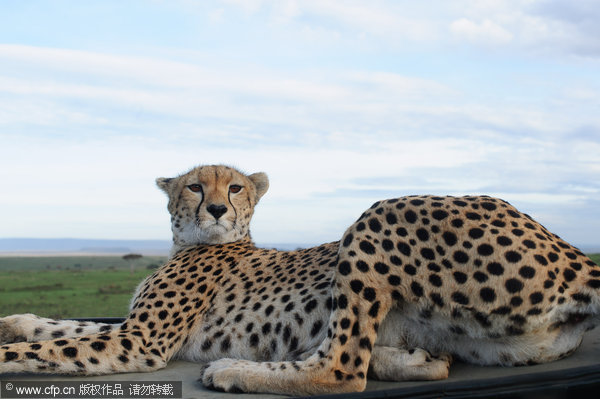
341, 103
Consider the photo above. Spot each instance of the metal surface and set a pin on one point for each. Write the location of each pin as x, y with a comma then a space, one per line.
579, 375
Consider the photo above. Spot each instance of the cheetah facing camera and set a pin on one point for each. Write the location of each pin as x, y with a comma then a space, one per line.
414, 281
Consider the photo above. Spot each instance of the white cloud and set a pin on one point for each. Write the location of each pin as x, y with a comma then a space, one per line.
381, 19
540, 26
484, 32
85, 133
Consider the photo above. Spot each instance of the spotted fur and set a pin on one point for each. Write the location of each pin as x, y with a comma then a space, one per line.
467, 276
413, 282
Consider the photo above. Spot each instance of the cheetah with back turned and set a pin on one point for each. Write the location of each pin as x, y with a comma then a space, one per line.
467, 276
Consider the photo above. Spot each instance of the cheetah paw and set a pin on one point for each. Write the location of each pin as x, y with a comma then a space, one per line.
224, 375
10, 331
445, 357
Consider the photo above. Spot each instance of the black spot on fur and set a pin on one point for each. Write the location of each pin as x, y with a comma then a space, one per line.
356, 286
593, 283
504, 241
473, 216
387, 245
460, 298
449, 238
427, 253
541, 260
569, 275
395, 280
536, 298
344, 268
488, 206
362, 266
367, 247
461, 257
475, 233
374, 225
416, 288
98, 346
480, 277
460, 277
410, 216
391, 218
369, 294
348, 240
485, 250
435, 280
374, 309
513, 285
516, 301
422, 234
365, 343
439, 214
70, 351
254, 340
487, 294
437, 299
581, 298
495, 268
404, 248
310, 305
527, 272
381, 268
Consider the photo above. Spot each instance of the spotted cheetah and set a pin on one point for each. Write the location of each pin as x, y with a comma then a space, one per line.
413, 282
218, 295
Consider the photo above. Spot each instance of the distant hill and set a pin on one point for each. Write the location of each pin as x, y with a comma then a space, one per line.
76, 245
108, 247
49, 246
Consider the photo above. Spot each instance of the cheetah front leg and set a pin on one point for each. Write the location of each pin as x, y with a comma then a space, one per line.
31, 328
341, 361
364, 289
116, 351
339, 365
393, 364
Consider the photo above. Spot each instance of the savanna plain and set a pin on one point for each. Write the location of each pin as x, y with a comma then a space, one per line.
76, 286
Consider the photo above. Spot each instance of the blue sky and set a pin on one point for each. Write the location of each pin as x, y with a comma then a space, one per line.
341, 103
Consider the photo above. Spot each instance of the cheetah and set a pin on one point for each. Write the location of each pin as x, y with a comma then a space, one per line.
414, 282
217, 296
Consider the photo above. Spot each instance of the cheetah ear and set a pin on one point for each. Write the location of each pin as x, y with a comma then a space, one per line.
261, 182
164, 183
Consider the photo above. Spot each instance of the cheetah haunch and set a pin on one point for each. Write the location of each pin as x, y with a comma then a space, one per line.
413, 281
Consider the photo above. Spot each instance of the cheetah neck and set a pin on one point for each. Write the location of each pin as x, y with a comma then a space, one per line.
178, 247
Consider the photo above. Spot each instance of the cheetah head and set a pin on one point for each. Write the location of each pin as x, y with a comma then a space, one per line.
212, 204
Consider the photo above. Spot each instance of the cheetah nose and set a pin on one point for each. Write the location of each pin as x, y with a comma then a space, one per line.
216, 210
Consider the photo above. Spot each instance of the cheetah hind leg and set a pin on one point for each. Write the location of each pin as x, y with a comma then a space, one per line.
394, 364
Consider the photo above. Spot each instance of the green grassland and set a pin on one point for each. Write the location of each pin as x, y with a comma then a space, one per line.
71, 286
57, 288
25, 263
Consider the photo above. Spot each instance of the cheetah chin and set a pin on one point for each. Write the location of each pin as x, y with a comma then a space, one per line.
415, 282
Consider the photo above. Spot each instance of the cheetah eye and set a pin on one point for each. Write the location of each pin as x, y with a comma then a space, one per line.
195, 188
234, 188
